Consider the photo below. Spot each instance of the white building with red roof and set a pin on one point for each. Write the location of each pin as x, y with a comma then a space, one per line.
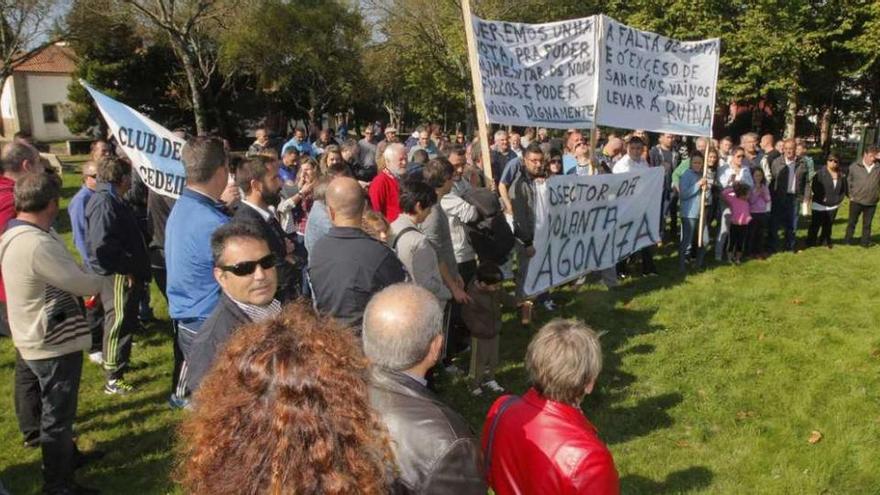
34, 99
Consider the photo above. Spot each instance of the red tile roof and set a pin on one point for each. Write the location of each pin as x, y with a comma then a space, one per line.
56, 59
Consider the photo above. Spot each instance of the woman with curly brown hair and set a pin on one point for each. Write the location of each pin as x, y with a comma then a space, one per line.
285, 410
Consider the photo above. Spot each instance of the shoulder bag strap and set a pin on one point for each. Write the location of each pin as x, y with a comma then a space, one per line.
488, 454
402, 232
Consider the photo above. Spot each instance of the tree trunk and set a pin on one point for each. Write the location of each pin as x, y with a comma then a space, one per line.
825, 135
4, 75
791, 112
757, 116
196, 96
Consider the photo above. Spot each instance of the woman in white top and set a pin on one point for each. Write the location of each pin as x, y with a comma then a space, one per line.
734, 172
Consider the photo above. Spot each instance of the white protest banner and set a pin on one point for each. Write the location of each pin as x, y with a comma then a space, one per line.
648, 81
538, 74
154, 151
589, 223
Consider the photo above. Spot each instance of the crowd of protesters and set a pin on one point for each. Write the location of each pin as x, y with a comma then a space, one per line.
318, 286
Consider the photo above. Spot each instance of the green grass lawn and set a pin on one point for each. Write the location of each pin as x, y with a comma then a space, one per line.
712, 383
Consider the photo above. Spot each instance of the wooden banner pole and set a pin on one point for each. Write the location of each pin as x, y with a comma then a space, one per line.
477, 83
598, 36
703, 193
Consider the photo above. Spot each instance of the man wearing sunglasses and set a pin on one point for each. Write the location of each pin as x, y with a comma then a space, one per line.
244, 266
77, 212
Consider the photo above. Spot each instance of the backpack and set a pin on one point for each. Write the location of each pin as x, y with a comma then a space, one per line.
490, 234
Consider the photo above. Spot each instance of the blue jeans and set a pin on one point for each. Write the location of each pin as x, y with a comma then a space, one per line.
689, 227
59, 379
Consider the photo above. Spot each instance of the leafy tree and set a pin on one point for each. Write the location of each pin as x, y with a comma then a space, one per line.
302, 56
191, 28
117, 60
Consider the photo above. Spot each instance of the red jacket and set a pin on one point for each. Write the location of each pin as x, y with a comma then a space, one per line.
7, 213
385, 195
545, 447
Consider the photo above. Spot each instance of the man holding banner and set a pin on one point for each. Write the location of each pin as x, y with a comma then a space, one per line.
523, 201
633, 162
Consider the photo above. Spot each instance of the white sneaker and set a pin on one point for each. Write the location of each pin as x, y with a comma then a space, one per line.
477, 392
493, 386
96, 357
549, 305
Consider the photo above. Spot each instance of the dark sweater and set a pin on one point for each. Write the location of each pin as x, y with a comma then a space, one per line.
275, 238
825, 192
226, 318
780, 171
114, 240
864, 186
346, 268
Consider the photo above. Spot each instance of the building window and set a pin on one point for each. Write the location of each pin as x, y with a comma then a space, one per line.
50, 114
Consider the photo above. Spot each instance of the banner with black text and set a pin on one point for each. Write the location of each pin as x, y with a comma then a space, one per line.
589, 223
538, 74
651, 82
154, 150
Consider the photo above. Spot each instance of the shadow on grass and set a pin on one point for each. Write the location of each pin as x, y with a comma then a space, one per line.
618, 424
145, 459
117, 406
693, 478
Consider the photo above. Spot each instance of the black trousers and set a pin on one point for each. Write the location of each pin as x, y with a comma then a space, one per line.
738, 238
783, 215
757, 233
4, 321
120, 321
95, 319
867, 214
184, 336
821, 222
28, 405
58, 380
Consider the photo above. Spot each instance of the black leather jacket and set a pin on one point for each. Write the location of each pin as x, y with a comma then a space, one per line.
435, 449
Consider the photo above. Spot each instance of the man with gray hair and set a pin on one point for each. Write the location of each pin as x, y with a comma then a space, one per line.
501, 154
385, 188
424, 143
49, 330
434, 448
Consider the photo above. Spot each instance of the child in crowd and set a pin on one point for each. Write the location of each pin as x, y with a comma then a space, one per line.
759, 208
483, 318
375, 225
737, 198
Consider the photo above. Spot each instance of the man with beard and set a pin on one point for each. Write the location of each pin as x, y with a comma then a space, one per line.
385, 189
258, 178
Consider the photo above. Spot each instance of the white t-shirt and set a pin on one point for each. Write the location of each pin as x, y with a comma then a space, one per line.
627, 164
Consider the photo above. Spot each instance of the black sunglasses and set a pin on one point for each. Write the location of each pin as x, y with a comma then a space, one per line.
248, 267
